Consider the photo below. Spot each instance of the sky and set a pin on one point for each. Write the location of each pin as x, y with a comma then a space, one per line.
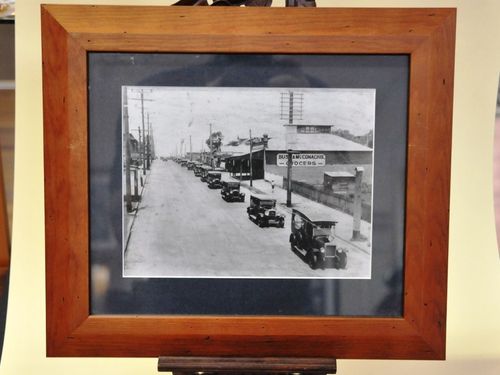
176, 113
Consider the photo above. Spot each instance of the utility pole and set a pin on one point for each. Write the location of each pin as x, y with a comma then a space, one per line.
148, 145
291, 110
265, 141
126, 142
210, 140
143, 135
190, 149
290, 158
142, 145
289, 179
357, 209
152, 142
251, 150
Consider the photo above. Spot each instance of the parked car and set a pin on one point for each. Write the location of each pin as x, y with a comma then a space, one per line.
190, 165
197, 170
214, 180
313, 239
204, 172
215, 183
262, 211
231, 192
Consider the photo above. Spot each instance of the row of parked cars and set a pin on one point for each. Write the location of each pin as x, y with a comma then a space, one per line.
230, 190
312, 236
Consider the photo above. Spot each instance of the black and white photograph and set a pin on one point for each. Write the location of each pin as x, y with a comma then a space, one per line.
238, 182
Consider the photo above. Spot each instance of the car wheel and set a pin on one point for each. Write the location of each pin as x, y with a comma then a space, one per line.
342, 260
323, 264
312, 260
261, 222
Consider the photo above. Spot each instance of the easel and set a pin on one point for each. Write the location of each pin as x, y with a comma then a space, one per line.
236, 365
252, 3
246, 366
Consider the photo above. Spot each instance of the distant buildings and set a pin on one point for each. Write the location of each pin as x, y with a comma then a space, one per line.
319, 152
135, 152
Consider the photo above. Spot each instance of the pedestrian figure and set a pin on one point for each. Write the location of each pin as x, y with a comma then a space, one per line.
272, 186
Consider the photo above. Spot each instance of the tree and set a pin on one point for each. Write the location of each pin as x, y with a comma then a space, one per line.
217, 138
365, 139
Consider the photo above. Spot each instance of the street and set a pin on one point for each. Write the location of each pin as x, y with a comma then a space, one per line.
184, 229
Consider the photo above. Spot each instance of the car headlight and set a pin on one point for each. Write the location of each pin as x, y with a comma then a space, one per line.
322, 250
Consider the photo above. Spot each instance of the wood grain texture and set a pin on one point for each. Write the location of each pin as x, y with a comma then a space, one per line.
69, 32
7, 117
4, 227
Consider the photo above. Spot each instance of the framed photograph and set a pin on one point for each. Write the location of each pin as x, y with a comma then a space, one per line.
221, 182
215, 134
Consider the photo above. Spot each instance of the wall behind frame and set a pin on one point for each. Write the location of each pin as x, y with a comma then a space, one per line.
474, 266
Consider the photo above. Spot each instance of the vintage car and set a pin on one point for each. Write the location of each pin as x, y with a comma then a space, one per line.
204, 172
231, 192
262, 211
190, 165
214, 180
313, 239
183, 163
198, 170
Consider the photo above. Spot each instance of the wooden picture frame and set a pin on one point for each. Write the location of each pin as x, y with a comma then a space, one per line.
4, 226
70, 32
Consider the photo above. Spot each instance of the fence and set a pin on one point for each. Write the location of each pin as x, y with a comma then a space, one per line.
340, 202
